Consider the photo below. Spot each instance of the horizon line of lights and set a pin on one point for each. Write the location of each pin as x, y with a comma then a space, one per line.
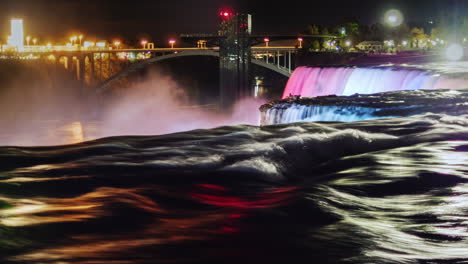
16, 42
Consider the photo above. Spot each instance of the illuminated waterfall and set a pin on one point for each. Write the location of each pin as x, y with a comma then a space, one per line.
367, 93
317, 113
315, 81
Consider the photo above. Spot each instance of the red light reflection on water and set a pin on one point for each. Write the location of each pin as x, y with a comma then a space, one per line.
262, 200
239, 207
212, 187
167, 224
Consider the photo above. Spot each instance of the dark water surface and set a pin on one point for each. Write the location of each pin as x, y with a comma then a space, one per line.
381, 191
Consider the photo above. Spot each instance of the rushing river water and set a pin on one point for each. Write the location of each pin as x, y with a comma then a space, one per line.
390, 190
385, 191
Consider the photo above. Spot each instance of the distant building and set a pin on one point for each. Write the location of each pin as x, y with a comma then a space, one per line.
17, 34
370, 46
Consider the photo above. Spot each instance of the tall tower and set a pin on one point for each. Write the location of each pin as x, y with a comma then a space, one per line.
17, 34
235, 55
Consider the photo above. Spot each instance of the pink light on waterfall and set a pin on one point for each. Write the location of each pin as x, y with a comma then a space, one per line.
315, 81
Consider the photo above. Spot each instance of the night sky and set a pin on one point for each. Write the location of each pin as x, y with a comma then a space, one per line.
105, 19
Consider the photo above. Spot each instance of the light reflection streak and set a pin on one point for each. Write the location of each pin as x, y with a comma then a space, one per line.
167, 226
392, 221
26, 179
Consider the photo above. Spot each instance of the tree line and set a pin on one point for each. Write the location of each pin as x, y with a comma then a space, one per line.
429, 36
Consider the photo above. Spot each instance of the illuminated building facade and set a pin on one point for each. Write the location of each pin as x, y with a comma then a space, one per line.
17, 34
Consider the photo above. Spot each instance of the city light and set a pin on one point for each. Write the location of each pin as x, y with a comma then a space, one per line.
172, 42
348, 43
225, 14
389, 43
394, 18
101, 44
88, 44
73, 40
454, 52
28, 38
143, 43
17, 34
300, 42
266, 40
117, 44
404, 43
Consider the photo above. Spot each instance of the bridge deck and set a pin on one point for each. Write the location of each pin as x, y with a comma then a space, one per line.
161, 50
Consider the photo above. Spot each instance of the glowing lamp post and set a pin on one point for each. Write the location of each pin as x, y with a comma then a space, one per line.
117, 44
172, 42
35, 41
28, 38
80, 37
266, 40
300, 42
73, 40
394, 18
143, 43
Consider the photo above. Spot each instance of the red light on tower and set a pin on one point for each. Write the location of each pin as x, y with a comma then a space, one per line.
224, 14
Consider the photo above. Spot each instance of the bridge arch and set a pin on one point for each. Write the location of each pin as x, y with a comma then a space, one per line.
141, 65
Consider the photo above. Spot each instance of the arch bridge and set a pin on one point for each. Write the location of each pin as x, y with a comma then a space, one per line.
100, 67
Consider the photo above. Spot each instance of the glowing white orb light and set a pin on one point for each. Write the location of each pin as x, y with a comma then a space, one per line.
394, 18
454, 52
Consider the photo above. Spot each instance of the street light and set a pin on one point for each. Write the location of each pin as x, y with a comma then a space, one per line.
34, 41
394, 18
117, 44
405, 43
80, 38
28, 38
143, 43
300, 42
73, 40
348, 43
266, 40
172, 42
